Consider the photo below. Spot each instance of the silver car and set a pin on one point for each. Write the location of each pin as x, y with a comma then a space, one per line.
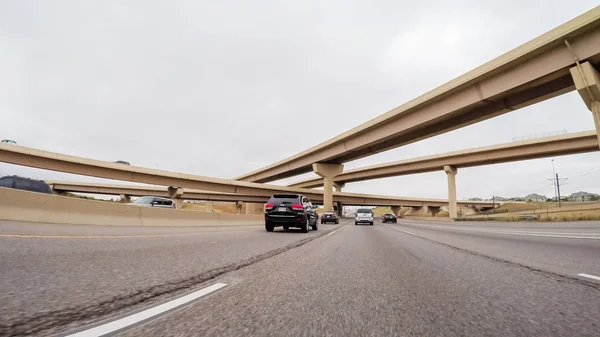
364, 215
155, 202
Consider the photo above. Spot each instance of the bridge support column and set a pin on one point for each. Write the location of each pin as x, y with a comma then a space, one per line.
178, 203
415, 210
339, 208
175, 192
328, 172
209, 206
125, 198
396, 210
250, 208
452, 206
434, 210
338, 186
238, 207
587, 83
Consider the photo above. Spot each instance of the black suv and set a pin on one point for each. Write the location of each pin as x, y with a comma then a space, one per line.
25, 184
389, 217
290, 210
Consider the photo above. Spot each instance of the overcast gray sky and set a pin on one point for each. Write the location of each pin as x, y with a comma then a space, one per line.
221, 88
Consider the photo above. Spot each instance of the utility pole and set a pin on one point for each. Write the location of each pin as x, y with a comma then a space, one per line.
557, 182
558, 188
494, 203
553, 175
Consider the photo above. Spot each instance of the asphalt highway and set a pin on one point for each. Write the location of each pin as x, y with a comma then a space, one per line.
413, 278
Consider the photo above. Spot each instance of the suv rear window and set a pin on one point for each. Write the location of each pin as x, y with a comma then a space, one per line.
278, 199
364, 210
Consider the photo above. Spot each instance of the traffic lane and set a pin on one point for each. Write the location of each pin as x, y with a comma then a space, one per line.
44, 277
563, 255
374, 281
578, 227
8, 228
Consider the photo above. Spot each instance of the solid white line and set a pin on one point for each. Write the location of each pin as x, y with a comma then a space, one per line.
597, 278
146, 314
331, 233
551, 236
538, 234
410, 233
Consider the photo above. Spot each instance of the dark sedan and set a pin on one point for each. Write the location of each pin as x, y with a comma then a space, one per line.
329, 217
389, 218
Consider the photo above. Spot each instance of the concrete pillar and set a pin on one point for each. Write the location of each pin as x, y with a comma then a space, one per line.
238, 207
209, 207
175, 192
338, 186
396, 210
415, 210
339, 208
596, 112
425, 210
178, 203
587, 83
125, 199
250, 207
328, 172
452, 206
434, 210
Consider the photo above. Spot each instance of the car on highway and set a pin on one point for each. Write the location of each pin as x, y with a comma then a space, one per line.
155, 202
389, 217
122, 162
25, 184
290, 210
364, 215
8, 141
329, 217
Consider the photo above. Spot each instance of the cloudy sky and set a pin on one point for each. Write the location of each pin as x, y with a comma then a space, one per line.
221, 88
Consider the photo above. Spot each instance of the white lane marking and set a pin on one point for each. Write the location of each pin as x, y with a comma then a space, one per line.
407, 232
597, 278
331, 233
119, 324
551, 236
538, 234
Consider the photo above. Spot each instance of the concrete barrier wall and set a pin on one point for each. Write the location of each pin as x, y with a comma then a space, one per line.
19, 205
542, 211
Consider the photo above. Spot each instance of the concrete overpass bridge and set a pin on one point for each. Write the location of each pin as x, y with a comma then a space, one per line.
346, 199
559, 61
536, 71
580, 142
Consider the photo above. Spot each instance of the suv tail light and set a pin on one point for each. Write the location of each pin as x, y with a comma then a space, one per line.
297, 207
269, 206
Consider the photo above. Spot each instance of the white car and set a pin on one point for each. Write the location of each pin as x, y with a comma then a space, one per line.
155, 202
364, 215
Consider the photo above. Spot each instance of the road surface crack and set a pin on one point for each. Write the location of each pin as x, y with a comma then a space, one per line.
41, 322
544, 273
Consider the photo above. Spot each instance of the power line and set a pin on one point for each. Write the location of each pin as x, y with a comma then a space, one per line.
590, 172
